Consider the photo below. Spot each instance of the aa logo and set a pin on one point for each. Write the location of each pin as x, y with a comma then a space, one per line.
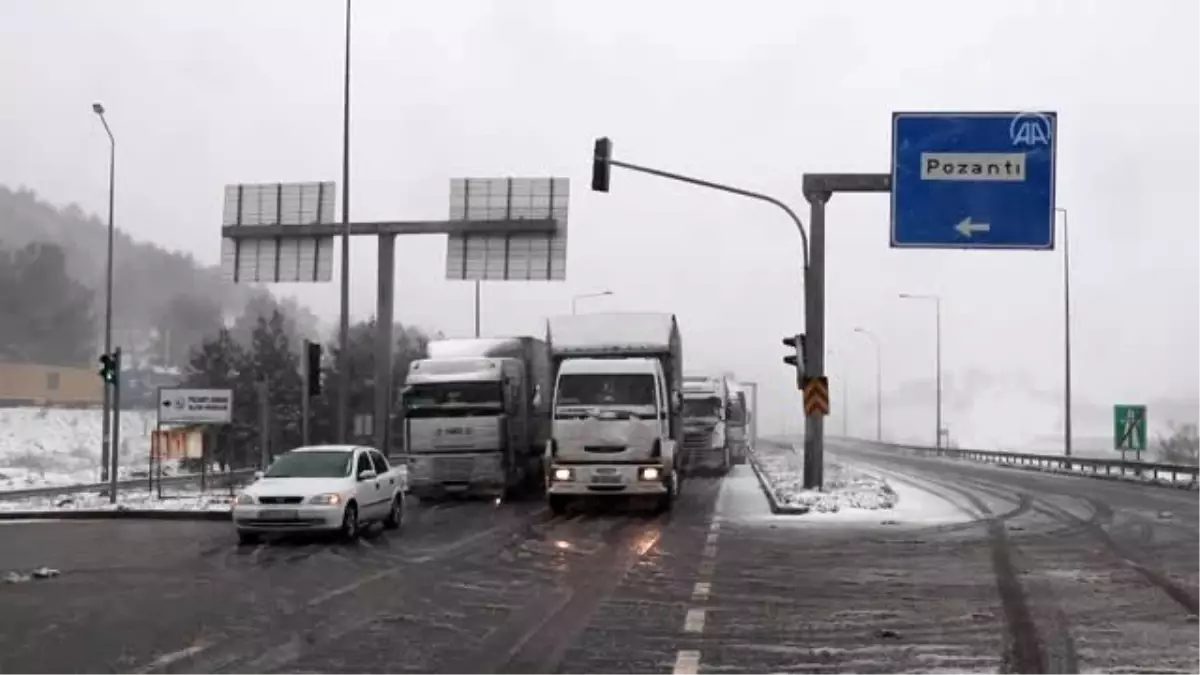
1031, 129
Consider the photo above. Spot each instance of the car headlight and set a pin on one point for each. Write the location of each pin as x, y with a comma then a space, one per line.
649, 473
563, 474
244, 499
329, 498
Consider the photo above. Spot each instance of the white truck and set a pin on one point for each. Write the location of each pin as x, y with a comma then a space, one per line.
705, 424
477, 416
737, 422
617, 429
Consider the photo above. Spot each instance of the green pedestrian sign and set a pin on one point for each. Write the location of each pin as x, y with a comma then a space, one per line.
1129, 427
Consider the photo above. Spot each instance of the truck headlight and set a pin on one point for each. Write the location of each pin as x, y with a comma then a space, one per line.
328, 499
563, 474
649, 473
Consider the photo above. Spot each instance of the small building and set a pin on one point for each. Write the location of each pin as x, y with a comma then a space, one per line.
29, 384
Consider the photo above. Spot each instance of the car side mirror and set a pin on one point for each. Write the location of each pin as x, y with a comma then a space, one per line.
258, 475
366, 474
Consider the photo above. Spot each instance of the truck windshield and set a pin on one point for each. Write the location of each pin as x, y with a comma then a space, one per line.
737, 410
606, 389
701, 407
453, 399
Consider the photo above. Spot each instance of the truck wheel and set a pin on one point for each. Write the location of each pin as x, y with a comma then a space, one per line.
558, 504
667, 501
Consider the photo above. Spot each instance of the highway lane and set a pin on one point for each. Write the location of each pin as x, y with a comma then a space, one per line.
1109, 569
466, 587
131, 592
1022, 579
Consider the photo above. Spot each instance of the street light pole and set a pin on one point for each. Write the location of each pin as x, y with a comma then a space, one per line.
576, 298
937, 303
343, 366
878, 382
1066, 333
106, 422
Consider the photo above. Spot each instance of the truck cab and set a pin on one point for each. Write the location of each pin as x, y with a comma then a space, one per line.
611, 431
474, 424
705, 424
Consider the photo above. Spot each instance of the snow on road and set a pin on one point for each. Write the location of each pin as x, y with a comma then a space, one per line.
48, 447
174, 499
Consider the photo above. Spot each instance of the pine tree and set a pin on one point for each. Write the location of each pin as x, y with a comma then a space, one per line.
273, 360
219, 363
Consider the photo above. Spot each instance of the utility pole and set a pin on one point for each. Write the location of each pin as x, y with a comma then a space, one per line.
264, 423
937, 305
477, 282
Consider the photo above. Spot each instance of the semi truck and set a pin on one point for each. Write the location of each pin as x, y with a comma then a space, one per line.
706, 435
617, 429
476, 417
737, 422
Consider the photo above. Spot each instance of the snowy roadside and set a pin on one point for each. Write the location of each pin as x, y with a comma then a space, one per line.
174, 499
846, 487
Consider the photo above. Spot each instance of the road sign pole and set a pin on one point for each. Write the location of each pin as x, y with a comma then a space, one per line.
264, 424
1066, 334
385, 301
305, 396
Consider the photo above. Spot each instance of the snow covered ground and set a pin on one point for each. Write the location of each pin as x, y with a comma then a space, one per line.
174, 499
846, 487
48, 447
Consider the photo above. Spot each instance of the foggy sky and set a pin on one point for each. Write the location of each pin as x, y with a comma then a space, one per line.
205, 93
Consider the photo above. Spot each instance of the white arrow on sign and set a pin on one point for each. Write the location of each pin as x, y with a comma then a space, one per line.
966, 228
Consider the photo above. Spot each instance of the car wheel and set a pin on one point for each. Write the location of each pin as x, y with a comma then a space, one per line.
350, 524
395, 515
247, 538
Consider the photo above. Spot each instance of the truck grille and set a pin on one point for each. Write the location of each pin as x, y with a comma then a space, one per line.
453, 469
610, 449
697, 439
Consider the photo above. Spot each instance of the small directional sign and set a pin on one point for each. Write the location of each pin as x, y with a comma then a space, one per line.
816, 396
980, 180
1129, 427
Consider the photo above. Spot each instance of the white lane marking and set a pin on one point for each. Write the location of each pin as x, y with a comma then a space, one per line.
706, 568
710, 550
712, 538
694, 621
687, 662
171, 657
701, 590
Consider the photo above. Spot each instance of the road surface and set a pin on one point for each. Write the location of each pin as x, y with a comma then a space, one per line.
1071, 574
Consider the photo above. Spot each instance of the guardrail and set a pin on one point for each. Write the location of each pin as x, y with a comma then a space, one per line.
1087, 465
8, 495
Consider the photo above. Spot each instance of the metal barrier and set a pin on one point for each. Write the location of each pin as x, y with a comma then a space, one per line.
1085, 465
216, 478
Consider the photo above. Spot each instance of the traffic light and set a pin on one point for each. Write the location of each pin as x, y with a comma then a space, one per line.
312, 356
108, 368
796, 360
600, 165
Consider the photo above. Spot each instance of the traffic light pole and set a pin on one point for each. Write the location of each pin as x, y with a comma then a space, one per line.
115, 449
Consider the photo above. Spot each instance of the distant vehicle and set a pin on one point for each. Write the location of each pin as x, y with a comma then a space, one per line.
737, 422
617, 427
477, 416
705, 420
321, 488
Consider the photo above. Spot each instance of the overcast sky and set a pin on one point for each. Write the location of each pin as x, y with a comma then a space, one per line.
201, 93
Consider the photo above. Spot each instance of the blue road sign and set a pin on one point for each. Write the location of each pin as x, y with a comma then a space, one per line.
973, 180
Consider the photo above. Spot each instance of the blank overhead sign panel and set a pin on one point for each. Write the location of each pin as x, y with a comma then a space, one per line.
510, 256
277, 257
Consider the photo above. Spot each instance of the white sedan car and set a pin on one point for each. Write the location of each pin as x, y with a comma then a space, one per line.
323, 488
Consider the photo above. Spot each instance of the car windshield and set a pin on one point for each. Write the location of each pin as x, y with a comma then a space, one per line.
606, 389
701, 407
311, 464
